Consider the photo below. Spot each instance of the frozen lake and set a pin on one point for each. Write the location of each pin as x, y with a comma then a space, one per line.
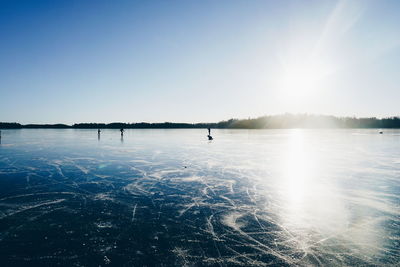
171, 197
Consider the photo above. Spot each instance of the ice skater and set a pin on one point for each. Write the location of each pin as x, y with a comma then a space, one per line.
209, 134
122, 135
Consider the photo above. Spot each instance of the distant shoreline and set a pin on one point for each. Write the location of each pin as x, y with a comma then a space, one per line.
285, 121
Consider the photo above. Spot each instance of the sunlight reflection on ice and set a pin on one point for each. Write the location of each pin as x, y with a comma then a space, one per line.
312, 208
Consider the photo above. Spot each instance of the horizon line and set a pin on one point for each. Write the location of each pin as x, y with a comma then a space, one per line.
286, 120
204, 122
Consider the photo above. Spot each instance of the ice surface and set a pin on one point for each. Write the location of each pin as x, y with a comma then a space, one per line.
171, 197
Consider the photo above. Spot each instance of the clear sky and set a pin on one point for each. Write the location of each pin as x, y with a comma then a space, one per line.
197, 61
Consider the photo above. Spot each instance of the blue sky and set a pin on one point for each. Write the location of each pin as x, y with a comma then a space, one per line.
196, 61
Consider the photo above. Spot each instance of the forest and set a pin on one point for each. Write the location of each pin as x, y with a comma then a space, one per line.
284, 121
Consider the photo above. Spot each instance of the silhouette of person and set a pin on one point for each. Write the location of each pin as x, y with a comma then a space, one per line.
98, 131
209, 134
122, 132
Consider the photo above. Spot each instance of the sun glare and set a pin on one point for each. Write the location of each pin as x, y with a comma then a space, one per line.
302, 79
300, 84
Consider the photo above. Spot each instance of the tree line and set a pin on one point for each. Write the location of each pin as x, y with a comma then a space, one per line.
283, 121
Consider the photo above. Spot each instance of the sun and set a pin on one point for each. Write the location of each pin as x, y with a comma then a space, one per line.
302, 80
302, 83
